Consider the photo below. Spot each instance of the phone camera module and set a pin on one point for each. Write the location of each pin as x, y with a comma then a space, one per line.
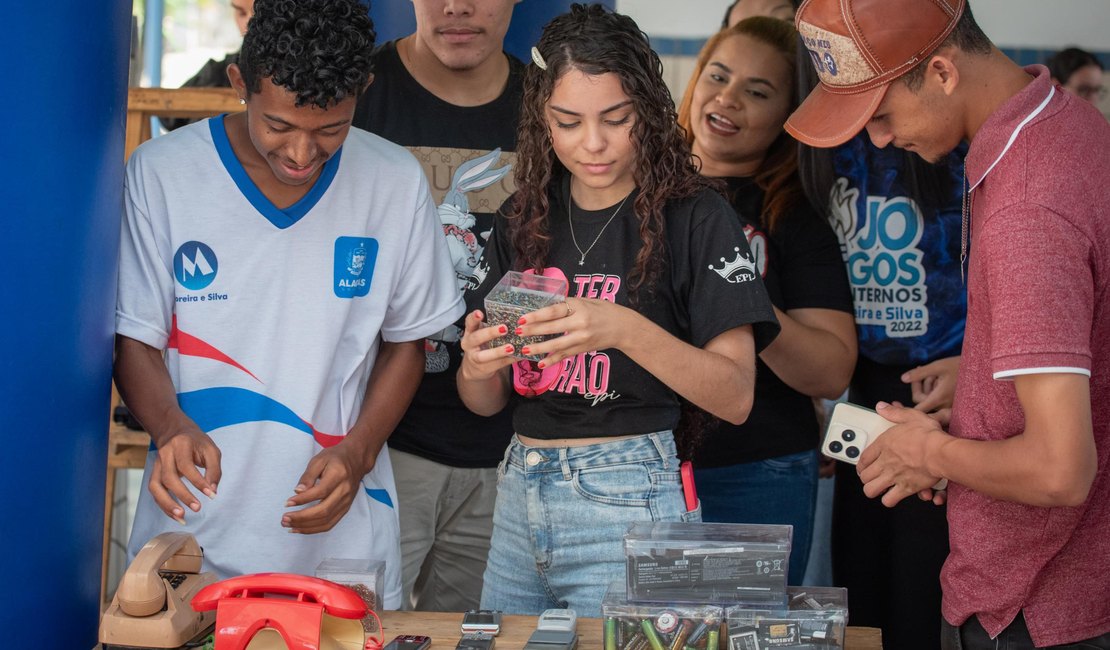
851, 452
848, 435
835, 447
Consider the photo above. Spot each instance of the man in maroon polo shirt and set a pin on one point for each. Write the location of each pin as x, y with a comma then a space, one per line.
1028, 450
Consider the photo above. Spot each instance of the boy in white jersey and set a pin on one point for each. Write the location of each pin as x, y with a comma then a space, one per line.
288, 268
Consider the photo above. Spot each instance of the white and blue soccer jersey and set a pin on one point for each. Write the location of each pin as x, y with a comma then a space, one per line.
271, 320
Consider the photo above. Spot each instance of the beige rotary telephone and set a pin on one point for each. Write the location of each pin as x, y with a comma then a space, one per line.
151, 607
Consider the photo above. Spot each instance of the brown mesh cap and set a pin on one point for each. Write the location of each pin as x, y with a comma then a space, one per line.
858, 48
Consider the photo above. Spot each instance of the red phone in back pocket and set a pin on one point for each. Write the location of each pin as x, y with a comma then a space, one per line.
688, 489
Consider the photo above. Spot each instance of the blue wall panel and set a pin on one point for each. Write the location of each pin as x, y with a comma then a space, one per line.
61, 183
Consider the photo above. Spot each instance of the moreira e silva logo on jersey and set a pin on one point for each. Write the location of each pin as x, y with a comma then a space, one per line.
354, 265
195, 265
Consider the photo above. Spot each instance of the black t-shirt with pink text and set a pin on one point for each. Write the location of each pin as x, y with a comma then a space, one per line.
710, 285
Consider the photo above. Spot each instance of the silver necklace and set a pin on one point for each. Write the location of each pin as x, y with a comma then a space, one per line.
570, 222
969, 187
965, 221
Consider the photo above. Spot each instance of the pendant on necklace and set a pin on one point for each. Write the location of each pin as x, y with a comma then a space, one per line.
581, 261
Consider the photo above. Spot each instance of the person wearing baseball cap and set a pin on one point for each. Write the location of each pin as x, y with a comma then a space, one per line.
1027, 451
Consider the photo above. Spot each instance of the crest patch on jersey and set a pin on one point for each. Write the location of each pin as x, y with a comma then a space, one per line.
354, 266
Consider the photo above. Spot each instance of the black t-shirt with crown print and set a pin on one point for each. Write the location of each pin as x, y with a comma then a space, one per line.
802, 269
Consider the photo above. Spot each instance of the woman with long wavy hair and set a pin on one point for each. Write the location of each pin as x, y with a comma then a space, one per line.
765, 470
663, 306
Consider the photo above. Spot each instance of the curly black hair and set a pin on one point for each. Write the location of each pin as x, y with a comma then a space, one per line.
595, 41
317, 49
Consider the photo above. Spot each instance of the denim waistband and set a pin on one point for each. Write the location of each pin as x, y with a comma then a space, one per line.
658, 446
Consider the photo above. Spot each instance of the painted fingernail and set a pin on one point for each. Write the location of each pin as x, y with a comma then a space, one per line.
518, 331
525, 350
509, 349
502, 329
521, 321
541, 365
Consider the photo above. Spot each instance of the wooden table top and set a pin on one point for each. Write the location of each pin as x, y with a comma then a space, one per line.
443, 627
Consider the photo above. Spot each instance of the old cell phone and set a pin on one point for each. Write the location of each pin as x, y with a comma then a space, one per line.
555, 630
552, 640
482, 620
476, 641
558, 619
409, 642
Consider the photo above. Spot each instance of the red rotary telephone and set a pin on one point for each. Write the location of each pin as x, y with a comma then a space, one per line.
273, 611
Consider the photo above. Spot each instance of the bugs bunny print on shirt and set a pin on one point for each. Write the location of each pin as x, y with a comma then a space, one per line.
463, 244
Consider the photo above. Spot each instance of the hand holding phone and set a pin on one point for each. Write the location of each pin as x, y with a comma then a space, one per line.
853, 427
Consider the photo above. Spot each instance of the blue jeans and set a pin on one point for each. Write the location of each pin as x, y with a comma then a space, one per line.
779, 490
561, 515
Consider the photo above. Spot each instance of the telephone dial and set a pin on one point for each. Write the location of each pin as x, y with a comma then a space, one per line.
275, 611
151, 607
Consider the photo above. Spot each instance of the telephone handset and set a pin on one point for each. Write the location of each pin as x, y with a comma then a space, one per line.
274, 611
151, 606
142, 589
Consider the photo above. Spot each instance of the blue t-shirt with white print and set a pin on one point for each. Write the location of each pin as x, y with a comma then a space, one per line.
903, 260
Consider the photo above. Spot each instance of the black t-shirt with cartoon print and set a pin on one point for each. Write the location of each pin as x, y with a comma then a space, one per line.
467, 153
710, 286
802, 269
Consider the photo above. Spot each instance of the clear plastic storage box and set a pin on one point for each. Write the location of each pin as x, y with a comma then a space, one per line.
725, 564
366, 577
638, 626
816, 617
518, 294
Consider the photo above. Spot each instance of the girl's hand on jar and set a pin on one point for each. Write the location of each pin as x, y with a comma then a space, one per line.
479, 363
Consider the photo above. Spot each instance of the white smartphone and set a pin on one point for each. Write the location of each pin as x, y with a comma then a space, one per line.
853, 427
